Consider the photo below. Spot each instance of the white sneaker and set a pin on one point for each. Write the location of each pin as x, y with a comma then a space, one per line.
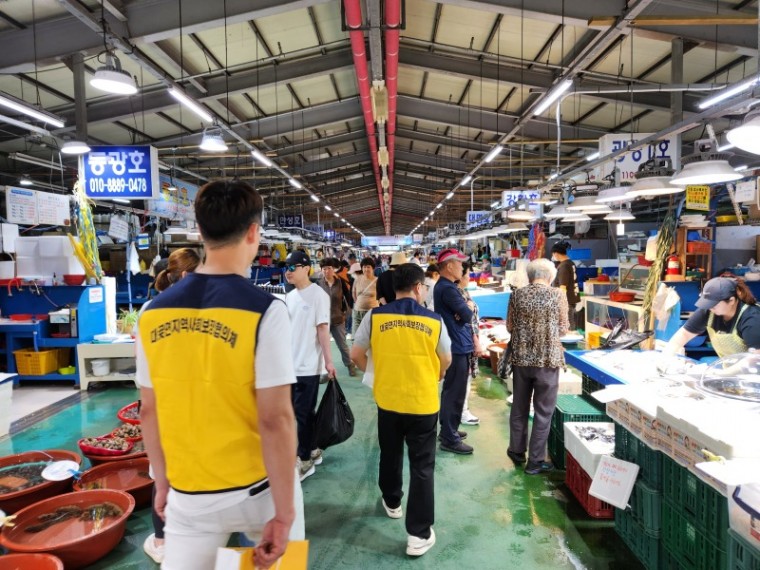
155, 551
349, 337
469, 420
396, 513
416, 546
316, 456
306, 468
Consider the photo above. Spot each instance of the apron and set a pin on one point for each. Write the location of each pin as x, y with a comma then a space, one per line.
726, 344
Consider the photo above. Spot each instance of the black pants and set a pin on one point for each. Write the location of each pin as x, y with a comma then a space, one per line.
540, 385
419, 433
304, 393
158, 522
452, 397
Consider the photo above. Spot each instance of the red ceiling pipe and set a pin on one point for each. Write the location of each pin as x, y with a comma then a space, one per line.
358, 47
392, 24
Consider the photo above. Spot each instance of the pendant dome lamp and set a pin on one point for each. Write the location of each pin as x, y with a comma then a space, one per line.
111, 78
588, 205
621, 215
654, 179
212, 140
75, 147
556, 212
747, 135
613, 195
576, 217
706, 165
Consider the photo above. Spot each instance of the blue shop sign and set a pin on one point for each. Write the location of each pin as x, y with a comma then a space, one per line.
290, 220
126, 172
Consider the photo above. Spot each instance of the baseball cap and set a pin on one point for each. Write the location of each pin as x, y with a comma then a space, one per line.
355, 268
297, 258
449, 254
715, 291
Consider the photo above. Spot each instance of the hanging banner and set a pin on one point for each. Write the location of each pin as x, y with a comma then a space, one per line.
511, 197
698, 198
125, 172
175, 201
376, 241
629, 162
477, 217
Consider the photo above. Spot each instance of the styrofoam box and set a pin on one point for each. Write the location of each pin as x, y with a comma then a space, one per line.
46, 267
55, 246
642, 415
27, 247
588, 454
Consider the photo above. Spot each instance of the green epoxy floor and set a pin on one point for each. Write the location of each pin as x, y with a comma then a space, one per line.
488, 514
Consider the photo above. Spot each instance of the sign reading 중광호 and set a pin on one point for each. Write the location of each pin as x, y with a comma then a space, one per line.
126, 172
698, 198
629, 162
290, 220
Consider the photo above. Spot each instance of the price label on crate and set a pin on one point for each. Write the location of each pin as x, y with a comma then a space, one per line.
613, 481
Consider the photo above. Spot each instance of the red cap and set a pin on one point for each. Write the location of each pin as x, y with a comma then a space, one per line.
449, 254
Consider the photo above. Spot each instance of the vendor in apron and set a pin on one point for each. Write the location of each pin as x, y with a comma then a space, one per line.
728, 312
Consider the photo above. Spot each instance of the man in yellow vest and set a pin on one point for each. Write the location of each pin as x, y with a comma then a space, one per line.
215, 376
409, 350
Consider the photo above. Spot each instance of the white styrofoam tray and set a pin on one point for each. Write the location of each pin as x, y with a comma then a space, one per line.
588, 453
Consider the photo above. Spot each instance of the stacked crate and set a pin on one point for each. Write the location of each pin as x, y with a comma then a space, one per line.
581, 461
640, 526
570, 408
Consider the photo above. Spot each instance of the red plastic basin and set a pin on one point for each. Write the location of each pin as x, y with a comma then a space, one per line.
12, 502
130, 475
76, 542
30, 562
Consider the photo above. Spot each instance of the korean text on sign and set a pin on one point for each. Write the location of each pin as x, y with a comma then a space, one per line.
121, 171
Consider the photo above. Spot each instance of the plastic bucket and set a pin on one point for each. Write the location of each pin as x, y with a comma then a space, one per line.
594, 339
100, 366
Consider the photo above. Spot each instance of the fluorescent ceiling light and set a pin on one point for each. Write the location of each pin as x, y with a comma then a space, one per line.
553, 95
120, 200
450, 195
314, 197
295, 183
496, 204
190, 104
24, 108
111, 78
328, 208
593, 156
705, 172
728, 92
494, 152
440, 205
35, 161
23, 125
26, 181
75, 147
553, 176
263, 159
213, 141
336, 214
466, 180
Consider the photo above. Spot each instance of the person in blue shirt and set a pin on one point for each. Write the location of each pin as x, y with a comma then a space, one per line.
457, 316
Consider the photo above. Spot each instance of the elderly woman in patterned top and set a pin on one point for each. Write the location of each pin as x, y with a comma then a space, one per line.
536, 319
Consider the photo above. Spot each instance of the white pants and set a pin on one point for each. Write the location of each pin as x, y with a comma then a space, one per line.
192, 541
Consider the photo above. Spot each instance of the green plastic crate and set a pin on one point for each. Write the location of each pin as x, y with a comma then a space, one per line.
688, 544
589, 385
646, 507
702, 505
573, 408
557, 448
741, 554
646, 547
628, 447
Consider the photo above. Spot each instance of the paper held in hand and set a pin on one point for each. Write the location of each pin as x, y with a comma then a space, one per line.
296, 557
613, 481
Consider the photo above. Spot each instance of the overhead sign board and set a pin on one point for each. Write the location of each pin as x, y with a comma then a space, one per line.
290, 220
125, 172
511, 197
477, 217
377, 241
698, 198
629, 162
176, 199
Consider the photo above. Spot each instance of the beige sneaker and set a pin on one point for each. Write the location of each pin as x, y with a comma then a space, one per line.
316, 456
306, 468
416, 546
155, 551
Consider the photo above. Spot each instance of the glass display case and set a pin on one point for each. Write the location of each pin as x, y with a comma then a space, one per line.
633, 278
602, 315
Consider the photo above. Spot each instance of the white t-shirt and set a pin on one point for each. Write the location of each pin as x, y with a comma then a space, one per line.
274, 367
308, 308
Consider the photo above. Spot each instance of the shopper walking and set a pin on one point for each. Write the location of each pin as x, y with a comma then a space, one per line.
364, 292
566, 279
468, 418
214, 380
431, 278
385, 291
179, 263
410, 349
309, 310
333, 286
457, 316
536, 319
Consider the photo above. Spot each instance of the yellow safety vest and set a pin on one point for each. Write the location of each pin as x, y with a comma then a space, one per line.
726, 344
